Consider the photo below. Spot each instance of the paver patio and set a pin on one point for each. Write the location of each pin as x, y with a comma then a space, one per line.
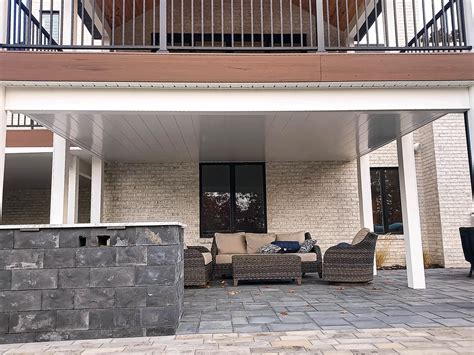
384, 317
448, 301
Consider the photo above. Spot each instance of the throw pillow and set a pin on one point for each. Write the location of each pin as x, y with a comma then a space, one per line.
269, 249
288, 247
307, 246
257, 240
289, 237
344, 245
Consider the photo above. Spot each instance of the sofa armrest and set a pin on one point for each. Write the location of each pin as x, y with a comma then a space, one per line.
199, 248
316, 249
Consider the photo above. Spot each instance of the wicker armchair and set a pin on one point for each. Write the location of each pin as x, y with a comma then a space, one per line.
353, 263
196, 271
306, 267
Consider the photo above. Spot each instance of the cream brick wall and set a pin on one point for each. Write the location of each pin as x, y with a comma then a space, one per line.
153, 192
319, 197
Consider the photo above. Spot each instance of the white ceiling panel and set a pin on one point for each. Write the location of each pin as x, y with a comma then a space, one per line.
199, 136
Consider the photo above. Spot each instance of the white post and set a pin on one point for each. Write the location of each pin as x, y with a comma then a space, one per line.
411, 212
97, 182
365, 196
70, 23
3, 141
3, 20
469, 121
163, 26
73, 193
469, 21
59, 180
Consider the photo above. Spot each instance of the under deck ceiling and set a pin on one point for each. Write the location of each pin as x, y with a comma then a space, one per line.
269, 136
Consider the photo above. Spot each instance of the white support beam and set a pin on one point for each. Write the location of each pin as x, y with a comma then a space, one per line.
97, 183
73, 193
365, 195
59, 180
411, 212
3, 137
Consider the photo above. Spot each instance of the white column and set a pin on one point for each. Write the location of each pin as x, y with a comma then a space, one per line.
59, 180
73, 193
365, 196
3, 20
3, 139
97, 182
469, 21
411, 212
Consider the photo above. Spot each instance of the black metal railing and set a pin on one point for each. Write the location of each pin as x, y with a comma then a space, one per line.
237, 25
19, 120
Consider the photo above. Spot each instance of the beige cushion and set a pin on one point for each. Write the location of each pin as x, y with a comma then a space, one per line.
291, 237
227, 258
360, 236
207, 258
230, 243
257, 240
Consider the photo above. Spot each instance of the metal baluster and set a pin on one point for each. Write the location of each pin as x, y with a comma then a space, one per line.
172, 23
301, 24
453, 23
271, 24
425, 38
144, 21
415, 26
376, 22
82, 22
443, 24
251, 25
93, 23
30, 9
182, 24
9, 20
113, 22
222, 23
123, 22
261, 24
310, 10
460, 22
232, 21
347, 23
133, 22
192, 23
291, 24
328, 23
367, 23
385, 22
395, 22
357, 22
281, 23
202, 23
242, 22
153, 38
103, 22
212, 23
338, 27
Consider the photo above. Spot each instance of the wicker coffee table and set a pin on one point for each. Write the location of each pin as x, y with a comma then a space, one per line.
266, 267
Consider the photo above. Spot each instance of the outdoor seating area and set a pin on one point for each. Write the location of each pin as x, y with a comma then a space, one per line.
284, 256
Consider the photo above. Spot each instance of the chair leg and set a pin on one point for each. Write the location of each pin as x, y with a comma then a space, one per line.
236, 282
298, 281
472, 268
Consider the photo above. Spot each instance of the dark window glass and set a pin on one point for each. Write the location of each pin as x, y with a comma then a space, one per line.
232, 198
386, 202
249, 198
215, 198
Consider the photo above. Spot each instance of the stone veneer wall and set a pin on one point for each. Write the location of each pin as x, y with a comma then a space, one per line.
53, 289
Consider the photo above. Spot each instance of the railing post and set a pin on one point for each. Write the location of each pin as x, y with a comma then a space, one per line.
69, 23
163, 26
320, 25
468, 8
4, 21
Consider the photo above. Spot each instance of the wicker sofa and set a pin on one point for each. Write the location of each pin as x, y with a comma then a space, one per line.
351, 262
310, 263
198, 266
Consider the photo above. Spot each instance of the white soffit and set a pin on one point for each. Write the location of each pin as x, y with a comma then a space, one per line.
265, 136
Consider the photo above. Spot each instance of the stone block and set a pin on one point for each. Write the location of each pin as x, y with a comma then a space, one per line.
94, 298
34, 279
25, 322
160, 316
159, 296
112, 276
129, 332
69, 237
156, 275
6, 239
59, 258
74, 278
127, 317
102, 319
147, 236
17, 338
4, 318
95, 257
123, 237
72, 320
163, 255
46, 238
132, 255
131, 297
20, 301
5, 279
21, 259
57, 299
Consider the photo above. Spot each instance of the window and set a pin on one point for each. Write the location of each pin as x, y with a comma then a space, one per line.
386, 202
51, 27
232, 198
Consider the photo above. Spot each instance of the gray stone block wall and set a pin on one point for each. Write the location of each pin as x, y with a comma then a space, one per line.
52, 288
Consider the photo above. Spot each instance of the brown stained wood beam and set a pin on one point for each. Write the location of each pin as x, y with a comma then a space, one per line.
29, 138
234, 68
